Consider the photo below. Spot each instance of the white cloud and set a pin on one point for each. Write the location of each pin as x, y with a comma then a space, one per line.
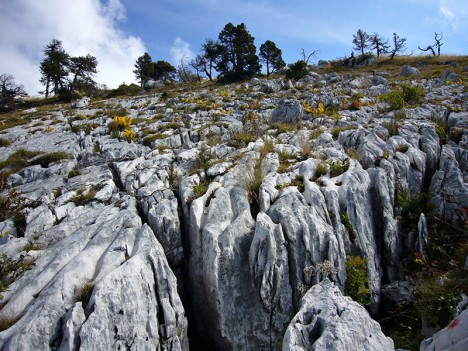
85, 26
181, 50
455, 13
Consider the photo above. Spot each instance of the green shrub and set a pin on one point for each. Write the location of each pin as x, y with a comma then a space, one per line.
321, 169
400, 115
392, 127
125, 90
338, 167
436, 299
403, 95
4, 142
74, 173
402, 148
252, 182
337, 130
348, 226
149, 139
299, 183
11, 270
456, 134
297, 70
351, 152
82, 196
47, 159
395, 99
84, 293
200, 188
411, 94
356, 282
7, 322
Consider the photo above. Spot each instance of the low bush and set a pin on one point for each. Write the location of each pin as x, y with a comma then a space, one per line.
356, 281
321, 169
395, 100
392, 127
338, 167
11, 270
4, 142
297, 70
47, 159
84, 293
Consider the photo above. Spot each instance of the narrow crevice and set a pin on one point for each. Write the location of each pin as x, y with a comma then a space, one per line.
115, 177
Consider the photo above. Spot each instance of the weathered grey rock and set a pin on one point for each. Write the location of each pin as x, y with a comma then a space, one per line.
449, 76
271, 86
162, 214
270, 272
409, 71
38, 220
359, 82
82, 103
287, 111
377, 80
430, 145
73, 320
220, 233
448, 189
382, 183
399, 293
218, 168
356, 200
329, 321
452, 338
134, 299
458, 120
310, 237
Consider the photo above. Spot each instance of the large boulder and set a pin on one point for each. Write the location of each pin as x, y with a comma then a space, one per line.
409, 71
287, 111
452, 338
106, 282
329, 321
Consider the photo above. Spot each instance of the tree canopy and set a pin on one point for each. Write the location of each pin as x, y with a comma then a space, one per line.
9, 92
64, 75
237, 58
144, 69
361, 41
272, 56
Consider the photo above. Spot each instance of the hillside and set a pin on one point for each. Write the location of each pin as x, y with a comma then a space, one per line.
260, 215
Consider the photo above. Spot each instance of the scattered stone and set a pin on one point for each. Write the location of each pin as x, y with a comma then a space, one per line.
82, 103
327, 320
449, 76
287, 111
409, 71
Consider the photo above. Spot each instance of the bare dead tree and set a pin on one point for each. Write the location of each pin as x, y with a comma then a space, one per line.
429, 48
437, 45
306, 58
438, 39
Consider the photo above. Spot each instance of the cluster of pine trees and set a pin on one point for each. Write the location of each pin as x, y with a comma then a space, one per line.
233, 56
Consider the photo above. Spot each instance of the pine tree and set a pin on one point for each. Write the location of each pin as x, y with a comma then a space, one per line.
82, 69
144, 68
378, 43
398, 45
54, 68
206, 60
237, 58
271, 55
360, 41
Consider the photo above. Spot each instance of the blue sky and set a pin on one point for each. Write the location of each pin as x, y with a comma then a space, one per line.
118, 31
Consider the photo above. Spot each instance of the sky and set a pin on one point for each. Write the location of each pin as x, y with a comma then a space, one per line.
117, 32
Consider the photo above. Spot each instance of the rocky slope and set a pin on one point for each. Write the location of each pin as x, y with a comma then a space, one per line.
234, 200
